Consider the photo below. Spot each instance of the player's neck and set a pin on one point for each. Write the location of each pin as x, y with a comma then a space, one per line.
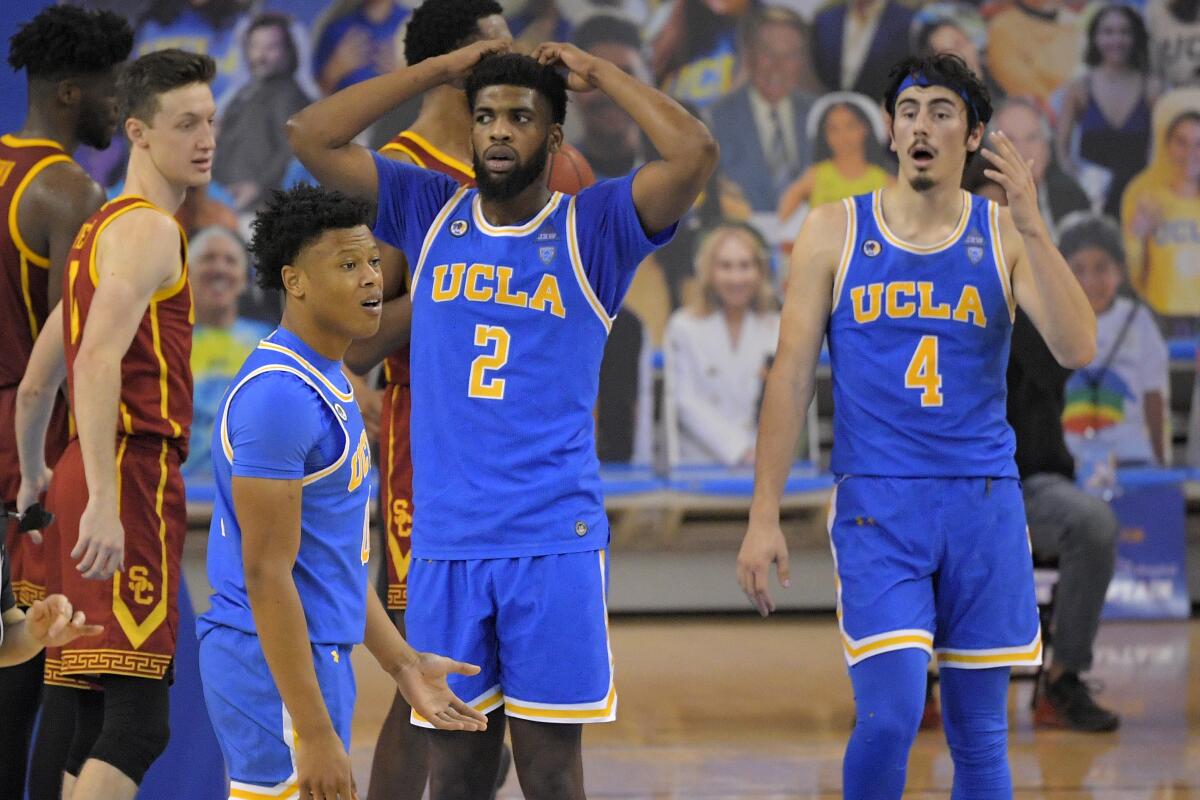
530, 201
912, 215
144, 180
41, 123
320, 340
445, 122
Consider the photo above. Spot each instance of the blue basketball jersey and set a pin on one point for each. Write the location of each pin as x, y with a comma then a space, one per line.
508, 330
290, 414
918, 345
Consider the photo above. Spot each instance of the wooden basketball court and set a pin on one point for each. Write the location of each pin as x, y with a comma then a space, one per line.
725, 707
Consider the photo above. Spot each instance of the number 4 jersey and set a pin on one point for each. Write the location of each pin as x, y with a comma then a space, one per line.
918, 343
508, 331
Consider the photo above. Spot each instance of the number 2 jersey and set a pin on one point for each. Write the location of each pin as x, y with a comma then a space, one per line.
508, 331
290, 414
918, 345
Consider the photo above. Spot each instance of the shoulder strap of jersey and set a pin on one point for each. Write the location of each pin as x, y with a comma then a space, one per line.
850, 238
432, 233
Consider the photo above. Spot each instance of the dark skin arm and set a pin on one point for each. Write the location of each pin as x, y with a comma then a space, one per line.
51, 212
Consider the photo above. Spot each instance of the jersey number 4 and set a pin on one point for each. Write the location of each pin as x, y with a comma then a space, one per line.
922, 372
483, 385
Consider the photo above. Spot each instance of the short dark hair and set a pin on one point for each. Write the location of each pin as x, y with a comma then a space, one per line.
158, 73
515, 69
1190, 115
1139, 54
438, 27
273, 19
607, 28
292, 220
1085, 229
942, 69
759, 18
66, 41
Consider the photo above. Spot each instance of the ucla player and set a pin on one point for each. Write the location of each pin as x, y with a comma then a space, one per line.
514, 289
915, 287
289, 542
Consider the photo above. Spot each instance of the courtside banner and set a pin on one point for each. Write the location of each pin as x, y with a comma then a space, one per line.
1150, 581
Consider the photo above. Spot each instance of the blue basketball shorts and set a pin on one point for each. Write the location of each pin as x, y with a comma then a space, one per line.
252, 725
939, 564
536, 626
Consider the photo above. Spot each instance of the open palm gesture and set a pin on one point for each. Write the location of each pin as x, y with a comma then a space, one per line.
424, 686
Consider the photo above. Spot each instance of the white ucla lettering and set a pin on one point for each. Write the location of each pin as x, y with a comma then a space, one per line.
484, 283
903, 299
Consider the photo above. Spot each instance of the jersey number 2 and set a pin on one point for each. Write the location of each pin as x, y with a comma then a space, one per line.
483, 386
922, 372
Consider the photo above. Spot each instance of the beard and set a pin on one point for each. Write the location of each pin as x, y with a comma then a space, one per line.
922, 183
506, 187
94, 128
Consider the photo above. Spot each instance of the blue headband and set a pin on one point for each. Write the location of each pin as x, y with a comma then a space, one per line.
919, 80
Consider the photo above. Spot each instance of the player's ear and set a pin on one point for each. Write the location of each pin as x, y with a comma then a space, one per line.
975, 138
556, 137
68, 92
135, 129
888, 120
293, 281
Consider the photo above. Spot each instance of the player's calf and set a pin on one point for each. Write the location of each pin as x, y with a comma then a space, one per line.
463, 766
134, 733
549, 759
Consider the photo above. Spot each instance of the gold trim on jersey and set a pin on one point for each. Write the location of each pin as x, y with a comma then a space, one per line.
843, 267
345, 397
139, 632
163, 370
13, 140
581, 278
27, 254
440, 154
1001, 262
110, 661
432, 233
920, 249
514, 230
92, 271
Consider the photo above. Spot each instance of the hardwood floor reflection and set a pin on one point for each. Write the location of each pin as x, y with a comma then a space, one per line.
728, 708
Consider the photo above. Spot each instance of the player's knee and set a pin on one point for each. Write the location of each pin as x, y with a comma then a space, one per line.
546, 781
136, 724
892, 723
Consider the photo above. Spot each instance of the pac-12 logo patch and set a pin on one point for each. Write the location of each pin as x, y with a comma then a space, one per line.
974, 242
871, 248
547, 254
581, 528
458, 227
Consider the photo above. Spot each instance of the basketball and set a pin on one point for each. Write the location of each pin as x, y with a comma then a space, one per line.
569, 171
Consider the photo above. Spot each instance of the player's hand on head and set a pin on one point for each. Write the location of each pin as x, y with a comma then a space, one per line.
100, 551
764, 545
1014, 174
53, 622
424, 686
323, 768
580, 66
33, 486
460, 62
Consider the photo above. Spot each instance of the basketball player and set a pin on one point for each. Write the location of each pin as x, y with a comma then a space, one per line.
69, 56
915, 287
290, 535
440, 140
127, 329
505, 363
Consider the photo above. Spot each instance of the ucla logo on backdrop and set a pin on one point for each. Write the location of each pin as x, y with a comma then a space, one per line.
458, 227
871, 248
547, 254
974, 242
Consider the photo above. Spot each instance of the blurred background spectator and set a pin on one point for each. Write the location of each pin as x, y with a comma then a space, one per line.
1058, 193
952, 28
1160, 215
254, 148
717, 349
625, 405
1105, 119
1116, 406
201, 26
535, 21
855, 44
1174, 27
846, 130
1034, 47
761, 126
356, 40
693, 48
218, 265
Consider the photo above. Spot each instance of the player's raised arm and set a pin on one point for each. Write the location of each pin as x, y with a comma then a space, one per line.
142, 256
666, 188
322, 134
1043, 284
788, 392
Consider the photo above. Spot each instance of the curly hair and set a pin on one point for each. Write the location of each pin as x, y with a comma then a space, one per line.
158, 73
294, 219
438, 27
66, 41
514, 69
943, 69
1084, 229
